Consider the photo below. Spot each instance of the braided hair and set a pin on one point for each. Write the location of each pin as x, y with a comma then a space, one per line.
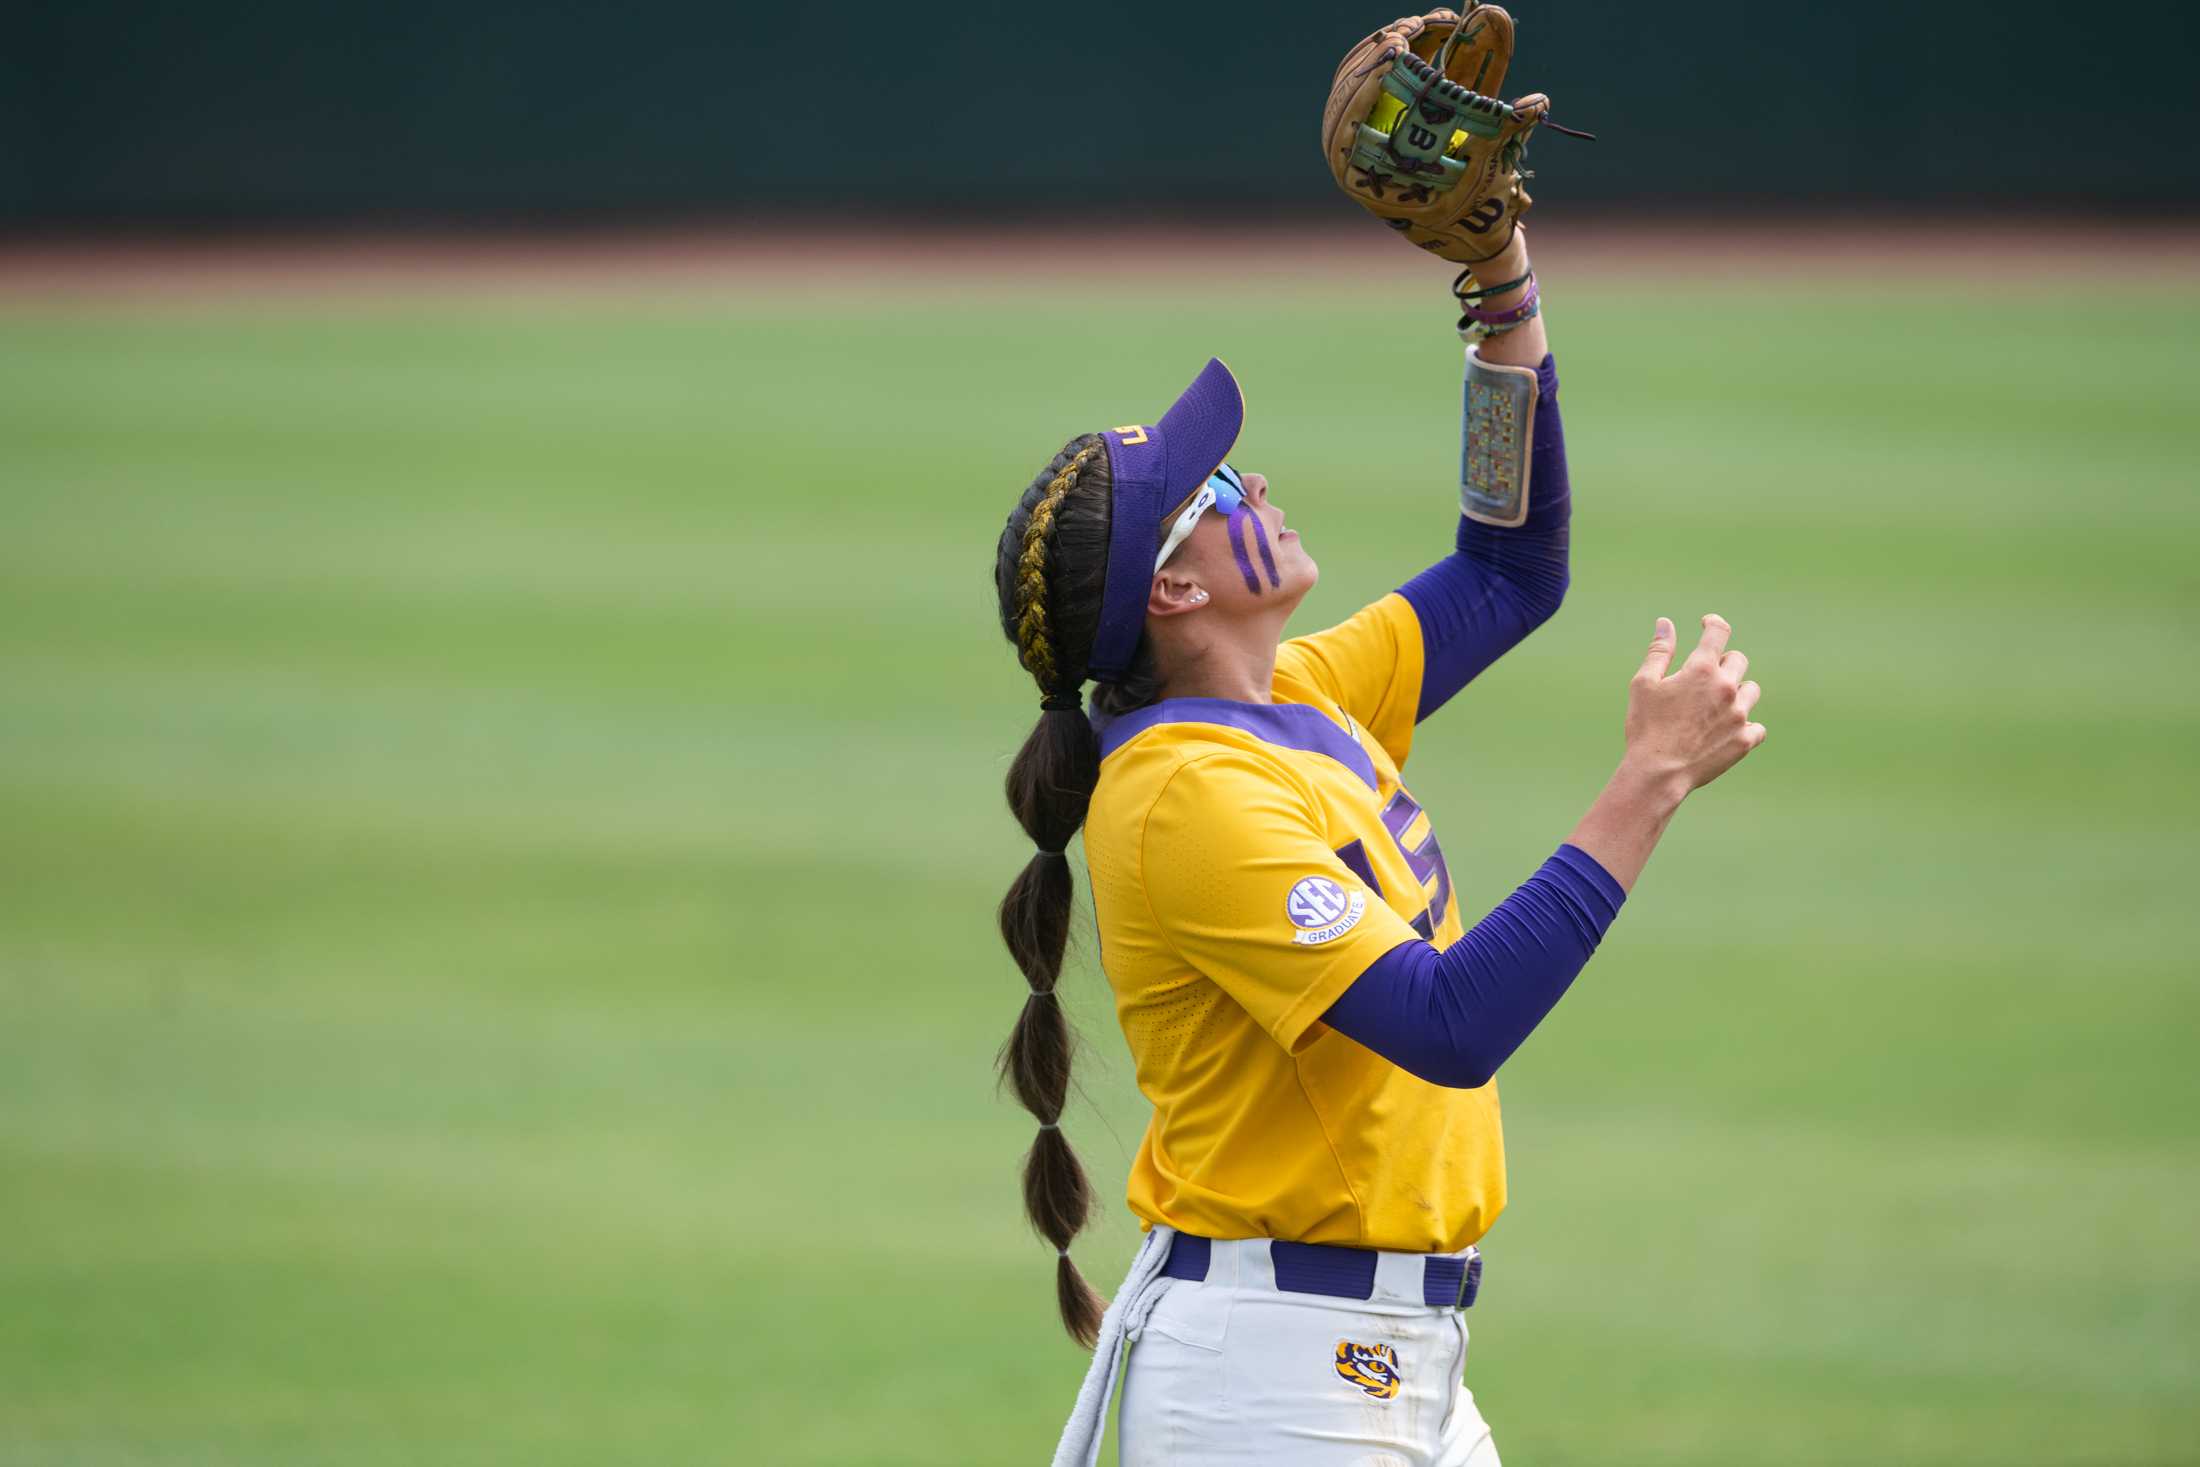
1049, 572
1033, 649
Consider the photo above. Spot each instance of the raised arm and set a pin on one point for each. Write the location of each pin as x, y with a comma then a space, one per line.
1453, 1016
1502, 581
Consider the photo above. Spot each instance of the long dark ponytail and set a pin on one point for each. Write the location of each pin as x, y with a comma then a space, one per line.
1049, 573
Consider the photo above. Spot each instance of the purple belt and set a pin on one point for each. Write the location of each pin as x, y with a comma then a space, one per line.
1448, 1280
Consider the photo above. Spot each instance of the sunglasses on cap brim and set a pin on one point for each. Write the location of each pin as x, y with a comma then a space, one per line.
1224, 490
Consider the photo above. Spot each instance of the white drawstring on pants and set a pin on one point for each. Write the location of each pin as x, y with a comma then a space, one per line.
1127, 1315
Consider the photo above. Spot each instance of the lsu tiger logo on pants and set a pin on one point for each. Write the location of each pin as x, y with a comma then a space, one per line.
1373, 1368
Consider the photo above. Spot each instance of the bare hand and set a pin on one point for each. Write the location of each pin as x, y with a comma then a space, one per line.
1694, 726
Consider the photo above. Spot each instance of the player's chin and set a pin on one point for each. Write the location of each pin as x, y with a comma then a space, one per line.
1300, 578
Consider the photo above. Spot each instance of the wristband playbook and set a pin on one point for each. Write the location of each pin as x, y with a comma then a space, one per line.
1496, 429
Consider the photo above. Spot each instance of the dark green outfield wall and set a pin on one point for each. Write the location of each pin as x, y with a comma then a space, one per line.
127, 109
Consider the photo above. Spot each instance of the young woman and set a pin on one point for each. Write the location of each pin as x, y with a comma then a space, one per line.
1314, 1027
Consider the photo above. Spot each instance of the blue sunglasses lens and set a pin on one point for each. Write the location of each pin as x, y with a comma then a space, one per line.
1229, 488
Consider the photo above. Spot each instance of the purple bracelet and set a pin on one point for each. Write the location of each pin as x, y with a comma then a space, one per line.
1510, 316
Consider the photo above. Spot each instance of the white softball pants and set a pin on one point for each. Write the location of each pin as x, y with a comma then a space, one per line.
1232, 1372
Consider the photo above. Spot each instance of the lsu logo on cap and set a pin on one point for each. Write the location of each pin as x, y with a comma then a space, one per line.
1323, 910
1373, 1368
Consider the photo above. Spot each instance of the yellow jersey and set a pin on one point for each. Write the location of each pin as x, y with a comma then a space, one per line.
1248, 861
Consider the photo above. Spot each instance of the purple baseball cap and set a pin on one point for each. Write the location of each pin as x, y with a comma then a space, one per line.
1153, 470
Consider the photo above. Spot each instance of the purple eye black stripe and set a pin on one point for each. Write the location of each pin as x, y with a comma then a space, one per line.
1236, 522
1267, 560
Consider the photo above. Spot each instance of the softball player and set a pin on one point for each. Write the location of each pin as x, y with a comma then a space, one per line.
1314, 1026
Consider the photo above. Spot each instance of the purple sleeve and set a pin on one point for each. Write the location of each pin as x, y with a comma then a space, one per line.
1475, 604
1452, 1017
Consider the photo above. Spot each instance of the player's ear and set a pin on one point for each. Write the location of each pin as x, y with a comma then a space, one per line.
1172, 595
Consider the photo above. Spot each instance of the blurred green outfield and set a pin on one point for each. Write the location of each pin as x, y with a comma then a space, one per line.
499, 823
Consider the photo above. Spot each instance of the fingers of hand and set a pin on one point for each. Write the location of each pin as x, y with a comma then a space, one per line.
1735, 665
1715, 633
1660, 655
1745, 699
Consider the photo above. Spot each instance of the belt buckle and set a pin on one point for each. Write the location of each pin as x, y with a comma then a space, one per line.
1470, 1282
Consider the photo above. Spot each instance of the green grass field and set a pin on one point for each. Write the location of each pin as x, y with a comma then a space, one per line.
499, 824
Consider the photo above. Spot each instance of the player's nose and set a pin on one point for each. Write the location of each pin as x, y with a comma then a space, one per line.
1256, 487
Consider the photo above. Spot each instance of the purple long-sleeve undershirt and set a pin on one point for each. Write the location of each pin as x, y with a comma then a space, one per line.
1453, 1016
1478, 602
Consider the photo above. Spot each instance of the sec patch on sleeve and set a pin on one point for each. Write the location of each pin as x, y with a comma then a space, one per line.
1323, 910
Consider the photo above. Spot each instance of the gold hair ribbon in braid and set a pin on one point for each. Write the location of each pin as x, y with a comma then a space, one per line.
1032, 647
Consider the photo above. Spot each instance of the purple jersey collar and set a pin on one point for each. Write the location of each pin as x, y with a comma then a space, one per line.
1286, 725
1153, 470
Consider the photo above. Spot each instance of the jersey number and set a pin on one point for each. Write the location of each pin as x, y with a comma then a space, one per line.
1425, 860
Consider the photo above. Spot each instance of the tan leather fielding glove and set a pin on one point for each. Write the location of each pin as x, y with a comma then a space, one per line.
1415, 135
